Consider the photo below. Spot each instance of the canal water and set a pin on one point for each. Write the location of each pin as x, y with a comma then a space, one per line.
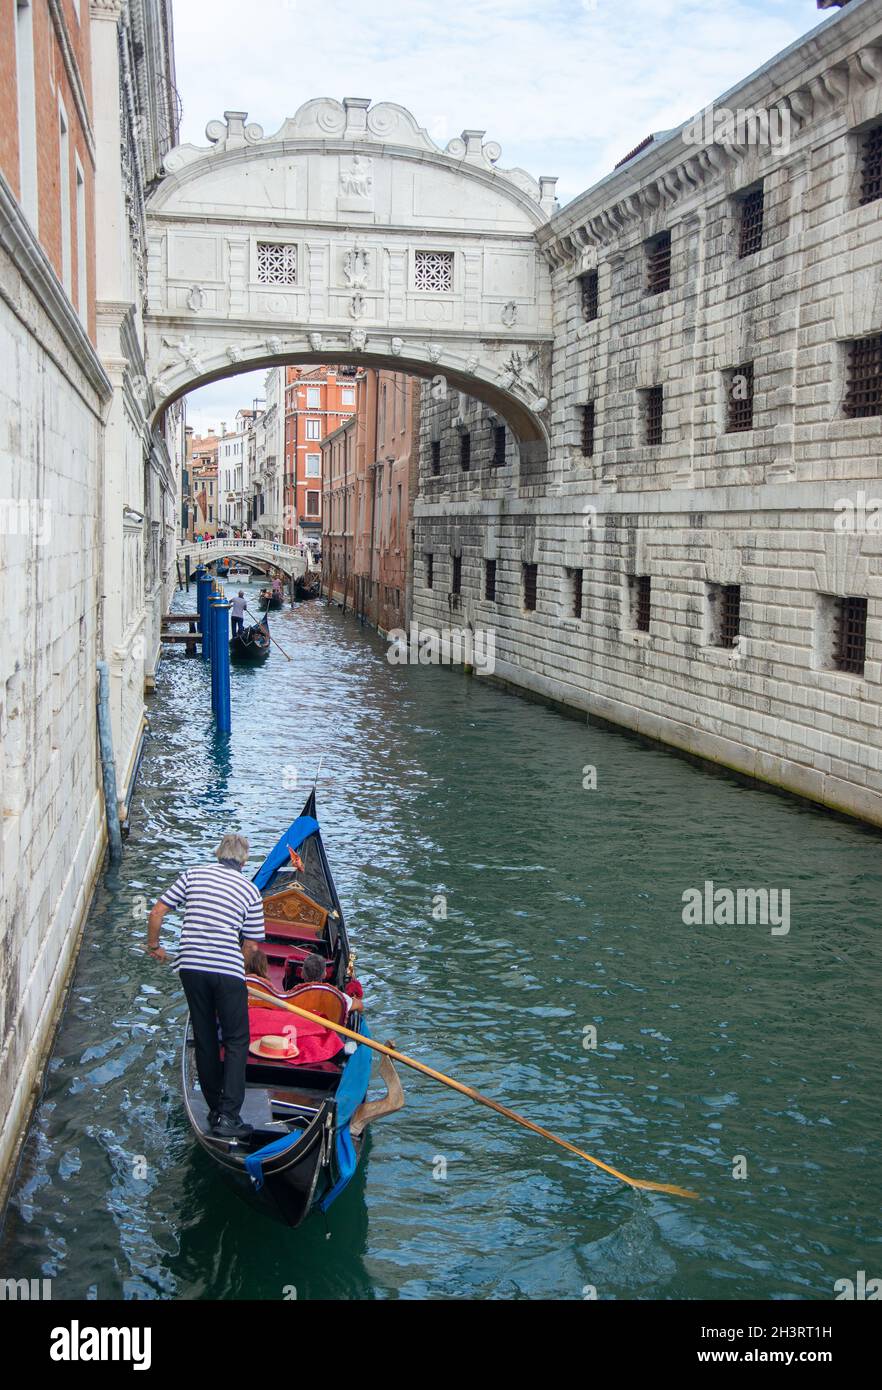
504, 909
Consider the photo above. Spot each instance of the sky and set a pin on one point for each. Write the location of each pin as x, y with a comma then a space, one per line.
566, 87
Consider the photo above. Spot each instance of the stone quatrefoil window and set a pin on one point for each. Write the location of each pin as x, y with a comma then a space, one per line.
433, 271
276, 263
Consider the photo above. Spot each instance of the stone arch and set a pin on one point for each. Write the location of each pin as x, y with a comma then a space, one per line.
349, 236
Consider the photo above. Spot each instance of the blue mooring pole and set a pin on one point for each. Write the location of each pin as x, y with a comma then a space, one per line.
197, 579
203, 590
212, 605
220, 660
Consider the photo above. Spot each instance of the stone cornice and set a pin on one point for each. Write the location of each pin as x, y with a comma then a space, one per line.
803, 85
73, 75
106, 9
26, 253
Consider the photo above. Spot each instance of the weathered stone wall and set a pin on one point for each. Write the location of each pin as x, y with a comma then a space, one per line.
705, 506
52, 829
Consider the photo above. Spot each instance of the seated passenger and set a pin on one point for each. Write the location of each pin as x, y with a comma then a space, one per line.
256, 963
312, 971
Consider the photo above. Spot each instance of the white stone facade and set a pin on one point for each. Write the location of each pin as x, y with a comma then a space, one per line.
704, 508
52, 393
349, 236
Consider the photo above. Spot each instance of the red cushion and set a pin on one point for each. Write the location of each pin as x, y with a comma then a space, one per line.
316, 1044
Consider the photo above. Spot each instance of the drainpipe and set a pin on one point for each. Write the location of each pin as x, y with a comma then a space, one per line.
105, 740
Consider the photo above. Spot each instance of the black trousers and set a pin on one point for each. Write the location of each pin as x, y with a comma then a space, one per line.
219, 999
237, 625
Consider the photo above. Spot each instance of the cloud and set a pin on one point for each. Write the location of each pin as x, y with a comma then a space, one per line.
217, 403
566, 87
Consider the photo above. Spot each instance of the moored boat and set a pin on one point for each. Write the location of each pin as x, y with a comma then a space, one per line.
268, 599
301, 1154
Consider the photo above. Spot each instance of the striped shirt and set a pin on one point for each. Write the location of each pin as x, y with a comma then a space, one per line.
219, 906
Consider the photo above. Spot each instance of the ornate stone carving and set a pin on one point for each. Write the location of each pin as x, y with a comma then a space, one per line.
105, 9
435, 350
356, 264
357, 178
525, 373
235, 353
357, 339
509, 314
187, 351
396, 345
196, 299
357, 306
315, 341
274, 345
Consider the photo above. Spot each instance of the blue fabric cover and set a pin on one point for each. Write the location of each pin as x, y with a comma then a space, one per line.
254, 1162
350, 1093
278, 857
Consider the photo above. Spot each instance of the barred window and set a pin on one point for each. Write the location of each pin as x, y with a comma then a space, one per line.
436, 457
725, 614
430, 570
588, 417
658, 263
640, 586
575, 580
653, 415
589, 291
871, 165
863, 393
750, 223
276, 263
531, 578
490, 580
850, 635
433, 270
465, 451
456, 582
499, 442
739, 398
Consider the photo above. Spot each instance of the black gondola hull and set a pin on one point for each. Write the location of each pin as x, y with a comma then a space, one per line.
293, 1108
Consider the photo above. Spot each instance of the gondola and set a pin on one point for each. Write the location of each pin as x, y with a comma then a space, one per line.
301, 1154
268, 599
306, 586
251, 643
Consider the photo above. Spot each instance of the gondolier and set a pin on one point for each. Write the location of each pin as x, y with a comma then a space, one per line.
221, 909
237, 611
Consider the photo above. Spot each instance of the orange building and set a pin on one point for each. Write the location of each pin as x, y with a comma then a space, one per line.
370, 467
317, 401
204, 483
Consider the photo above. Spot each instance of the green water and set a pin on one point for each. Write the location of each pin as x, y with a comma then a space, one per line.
564, 910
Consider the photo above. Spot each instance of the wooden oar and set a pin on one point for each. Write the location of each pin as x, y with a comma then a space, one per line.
265, 623
259, 997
